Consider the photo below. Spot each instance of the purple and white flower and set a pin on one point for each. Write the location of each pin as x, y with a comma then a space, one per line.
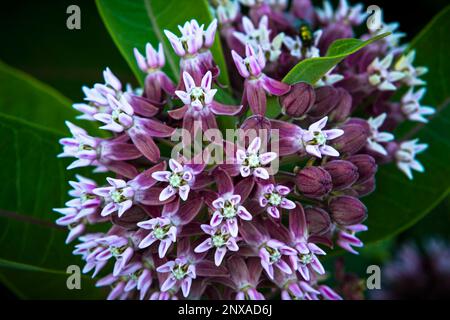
251, 161
271, 254
376, 138
259, 38
156, 80
411, 74
315, 139
273, 197
347, 237
199, 104
381, 76
411, 108
179, 179
406, 154
228, 208
257, 84
220, 239
181, 273
305, 260
162, 230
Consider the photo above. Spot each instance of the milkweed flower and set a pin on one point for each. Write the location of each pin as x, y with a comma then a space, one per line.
181, 272
274, 197
156, 81
347, 237
221, 239
257, 84
406, 154
315, 139
180, 179
381, 74
373, 142
411, 108
251, 161
199, 104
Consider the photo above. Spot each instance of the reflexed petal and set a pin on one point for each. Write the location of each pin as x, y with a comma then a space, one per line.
244, 214
147, 241
216, 219
168, 284
261, 173
329, 151
166, 193
233, 227
219, 255
186, 286
313, 150
267, 157
204, 246
287, 204
163, 247
183, 191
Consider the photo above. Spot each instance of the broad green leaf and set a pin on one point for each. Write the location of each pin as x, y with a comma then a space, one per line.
134, 23
33, 182
397, 202
27, 99
311, 70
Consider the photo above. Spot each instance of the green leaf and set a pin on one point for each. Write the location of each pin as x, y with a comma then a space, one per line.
27, 99
311, 70
33, 182
397, 202
134, 23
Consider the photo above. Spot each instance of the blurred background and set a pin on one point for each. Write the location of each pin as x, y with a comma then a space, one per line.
34, 39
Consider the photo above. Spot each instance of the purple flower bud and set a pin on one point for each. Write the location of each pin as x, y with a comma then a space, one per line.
366, 165
343, 108
314, 182
318, 220
343, 173
256, 123
347, 210
353, 139
365, 188
326, 100
303, 9
298, 100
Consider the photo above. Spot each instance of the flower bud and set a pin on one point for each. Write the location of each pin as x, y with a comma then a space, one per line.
366, 165
365, 188
318, 220
347, 210
303, 9
343, 173
353, 139
256, 122
313, 182
298, 100
343, 107
326, 100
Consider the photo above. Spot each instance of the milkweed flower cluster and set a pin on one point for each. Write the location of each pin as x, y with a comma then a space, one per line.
181, 222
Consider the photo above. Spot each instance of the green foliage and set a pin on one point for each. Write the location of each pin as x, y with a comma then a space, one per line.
134, 23
33, 182
397, 202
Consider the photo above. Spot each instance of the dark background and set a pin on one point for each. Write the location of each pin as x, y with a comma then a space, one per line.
34, 38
